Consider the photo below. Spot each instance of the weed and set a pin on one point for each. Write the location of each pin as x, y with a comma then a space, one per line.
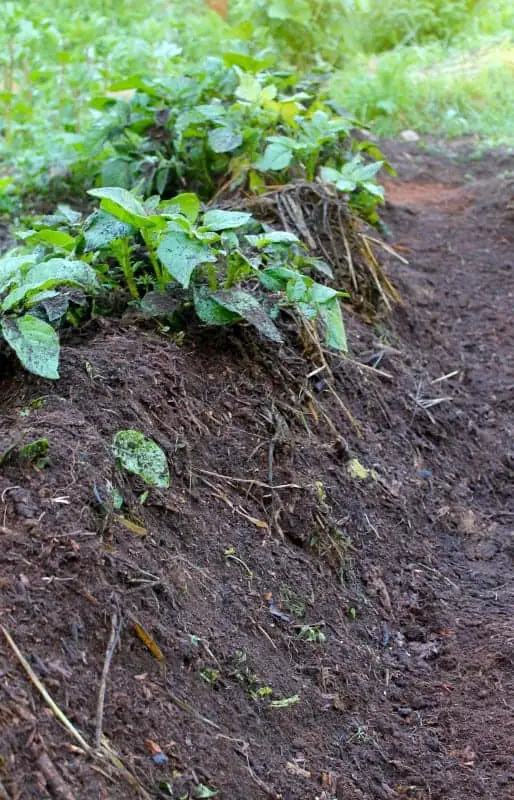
209, 675
312, 634
36, 453
293, 602
230, 554
285, 702
245, 675
359, 736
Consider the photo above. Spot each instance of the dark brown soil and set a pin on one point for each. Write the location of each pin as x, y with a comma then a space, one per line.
407, 574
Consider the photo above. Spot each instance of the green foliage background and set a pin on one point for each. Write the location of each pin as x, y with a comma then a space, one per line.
440, 66
164, 97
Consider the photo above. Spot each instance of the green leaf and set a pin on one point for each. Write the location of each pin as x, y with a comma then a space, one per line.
142, 456
122, 205
374, 188
36, 451
275, 279
285, 702
272, 237
186, 203
210, 311
320, 265
47, 274
329, 175
224, 140
297, 288
104, 229
335, 334
369, 171
160, 304
212, 111
35, 343
251, 90
10, 266
135, 82
116, 172
219, 220
246, 62
181, 255
247, 306
69, 214
49, 236
322, 294
202, 791
277, 156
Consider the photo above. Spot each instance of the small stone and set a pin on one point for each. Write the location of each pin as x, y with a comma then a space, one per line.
409, 136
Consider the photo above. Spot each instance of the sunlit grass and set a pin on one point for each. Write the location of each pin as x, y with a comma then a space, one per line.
466, 89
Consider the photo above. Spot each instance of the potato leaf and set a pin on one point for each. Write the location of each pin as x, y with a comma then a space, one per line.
224, 139
103, 229
219, 220
276, 157
272, 237
123, 205
35, 343
181, 255
49, 236
335, 334
246, 306
142, 456
48, 274
11, 266
186, 203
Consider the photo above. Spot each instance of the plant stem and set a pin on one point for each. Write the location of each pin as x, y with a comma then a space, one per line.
124, 259
153, 260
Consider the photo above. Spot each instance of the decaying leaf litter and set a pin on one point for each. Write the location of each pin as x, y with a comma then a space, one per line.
393, 562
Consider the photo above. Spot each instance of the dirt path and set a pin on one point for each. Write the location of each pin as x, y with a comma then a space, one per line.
384, 605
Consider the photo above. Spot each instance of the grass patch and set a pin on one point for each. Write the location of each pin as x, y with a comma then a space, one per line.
434, 90
444, 69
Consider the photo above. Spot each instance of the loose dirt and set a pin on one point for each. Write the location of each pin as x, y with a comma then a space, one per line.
350, 552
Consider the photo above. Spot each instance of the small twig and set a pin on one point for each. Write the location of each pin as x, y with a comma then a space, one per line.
386, 247
381, 372
3, 792
305, 391
372, 265
56, 784
258, 781
63, 719
349, 258
252, 481
184, 706
113, 641
268, 637
446, 377
106, 753
316, 371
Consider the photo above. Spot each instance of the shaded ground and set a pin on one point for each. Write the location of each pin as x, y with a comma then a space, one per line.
407, 574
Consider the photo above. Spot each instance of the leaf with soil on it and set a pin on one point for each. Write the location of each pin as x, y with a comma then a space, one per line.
103, 229
35, 343
231, 305
142, 456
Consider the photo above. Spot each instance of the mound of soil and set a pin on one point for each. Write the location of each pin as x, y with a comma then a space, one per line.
319, 606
